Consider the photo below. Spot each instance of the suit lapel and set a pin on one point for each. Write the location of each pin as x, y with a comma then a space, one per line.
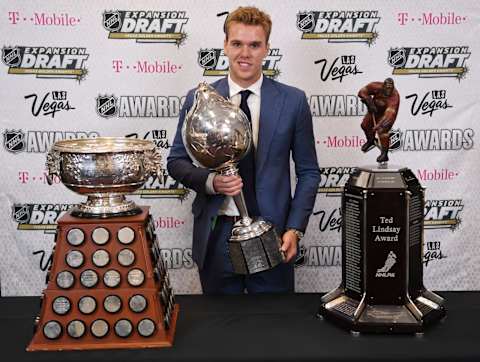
222, 87
270, 107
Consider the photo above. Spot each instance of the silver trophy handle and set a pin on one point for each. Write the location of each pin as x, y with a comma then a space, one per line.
53, 165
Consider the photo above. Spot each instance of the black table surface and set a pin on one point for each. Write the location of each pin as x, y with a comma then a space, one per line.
264, 328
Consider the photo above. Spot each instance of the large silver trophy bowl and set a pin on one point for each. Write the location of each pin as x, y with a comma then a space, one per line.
104, 169
217, 135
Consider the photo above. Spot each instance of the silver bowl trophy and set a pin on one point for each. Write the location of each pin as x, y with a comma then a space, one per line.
104, 169
382, 288
217, 135
106, 262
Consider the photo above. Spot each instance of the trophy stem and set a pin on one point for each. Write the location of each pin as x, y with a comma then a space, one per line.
242, 208
106, 205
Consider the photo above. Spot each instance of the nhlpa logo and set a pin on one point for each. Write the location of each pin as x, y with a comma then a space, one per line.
106, 106
21, 213
384, 272
112, 21
14, 140
397, 57
11, 56
305, 21
207, 58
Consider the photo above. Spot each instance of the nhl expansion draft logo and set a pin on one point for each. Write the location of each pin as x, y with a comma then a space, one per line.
38, 216
215, 63
340, 26
333, 179
430, 62
442, 214
14, 140
46, 62
106, 106
384, 272
146, 26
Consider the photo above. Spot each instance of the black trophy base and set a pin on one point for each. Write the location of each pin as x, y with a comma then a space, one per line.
256, 254
415, 316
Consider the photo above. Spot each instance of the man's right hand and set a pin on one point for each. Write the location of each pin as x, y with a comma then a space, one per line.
227, 185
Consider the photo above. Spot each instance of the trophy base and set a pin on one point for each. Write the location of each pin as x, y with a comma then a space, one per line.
254, 246
413, 316
106, 206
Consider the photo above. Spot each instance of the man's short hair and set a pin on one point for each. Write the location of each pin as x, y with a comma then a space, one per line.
249, 15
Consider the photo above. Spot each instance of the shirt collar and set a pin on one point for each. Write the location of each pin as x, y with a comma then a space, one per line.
254, 88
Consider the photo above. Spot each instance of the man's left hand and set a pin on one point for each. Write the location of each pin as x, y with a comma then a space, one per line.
289, 245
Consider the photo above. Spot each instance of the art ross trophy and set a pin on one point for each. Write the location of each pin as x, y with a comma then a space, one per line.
217, 135
108, 286
382, 288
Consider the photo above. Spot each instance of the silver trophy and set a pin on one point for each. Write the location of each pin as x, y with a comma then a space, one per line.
104, 169
217, 135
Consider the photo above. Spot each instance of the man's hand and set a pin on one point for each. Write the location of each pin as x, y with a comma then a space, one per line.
227, 185
289, 245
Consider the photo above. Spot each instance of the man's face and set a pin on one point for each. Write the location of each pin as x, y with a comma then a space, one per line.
245, 48
387, 89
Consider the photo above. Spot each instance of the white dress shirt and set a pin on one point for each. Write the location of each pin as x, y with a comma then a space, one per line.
228, 207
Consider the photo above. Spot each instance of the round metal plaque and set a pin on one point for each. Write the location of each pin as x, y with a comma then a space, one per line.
87, 305
126, 235
101, 258
112, 303
75, 237
89, 278
126, 257
123, 328
74, 259
137, 303
112, 278
65, 279
146, 327
99, 328
100, 236
76, 329
52, 330
135, 277
61, 305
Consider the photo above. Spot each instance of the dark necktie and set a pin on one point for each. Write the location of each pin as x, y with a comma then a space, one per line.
247, 164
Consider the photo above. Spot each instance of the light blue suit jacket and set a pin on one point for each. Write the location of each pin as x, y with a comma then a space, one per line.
285, 128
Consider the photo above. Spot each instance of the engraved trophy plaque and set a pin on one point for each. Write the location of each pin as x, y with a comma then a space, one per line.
107, 286
382, 288
217, 135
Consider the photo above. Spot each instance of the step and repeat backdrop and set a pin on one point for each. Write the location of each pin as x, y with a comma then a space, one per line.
121, 68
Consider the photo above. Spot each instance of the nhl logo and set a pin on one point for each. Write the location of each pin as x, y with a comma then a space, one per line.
305, 21
11, 56
207, 58
21, 213
106, 106
397, 57
14, 140
395, 137
112, 21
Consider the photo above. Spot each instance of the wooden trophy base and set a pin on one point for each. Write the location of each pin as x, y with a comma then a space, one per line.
107, 288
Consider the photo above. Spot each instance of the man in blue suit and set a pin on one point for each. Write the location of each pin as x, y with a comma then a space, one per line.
281, 127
